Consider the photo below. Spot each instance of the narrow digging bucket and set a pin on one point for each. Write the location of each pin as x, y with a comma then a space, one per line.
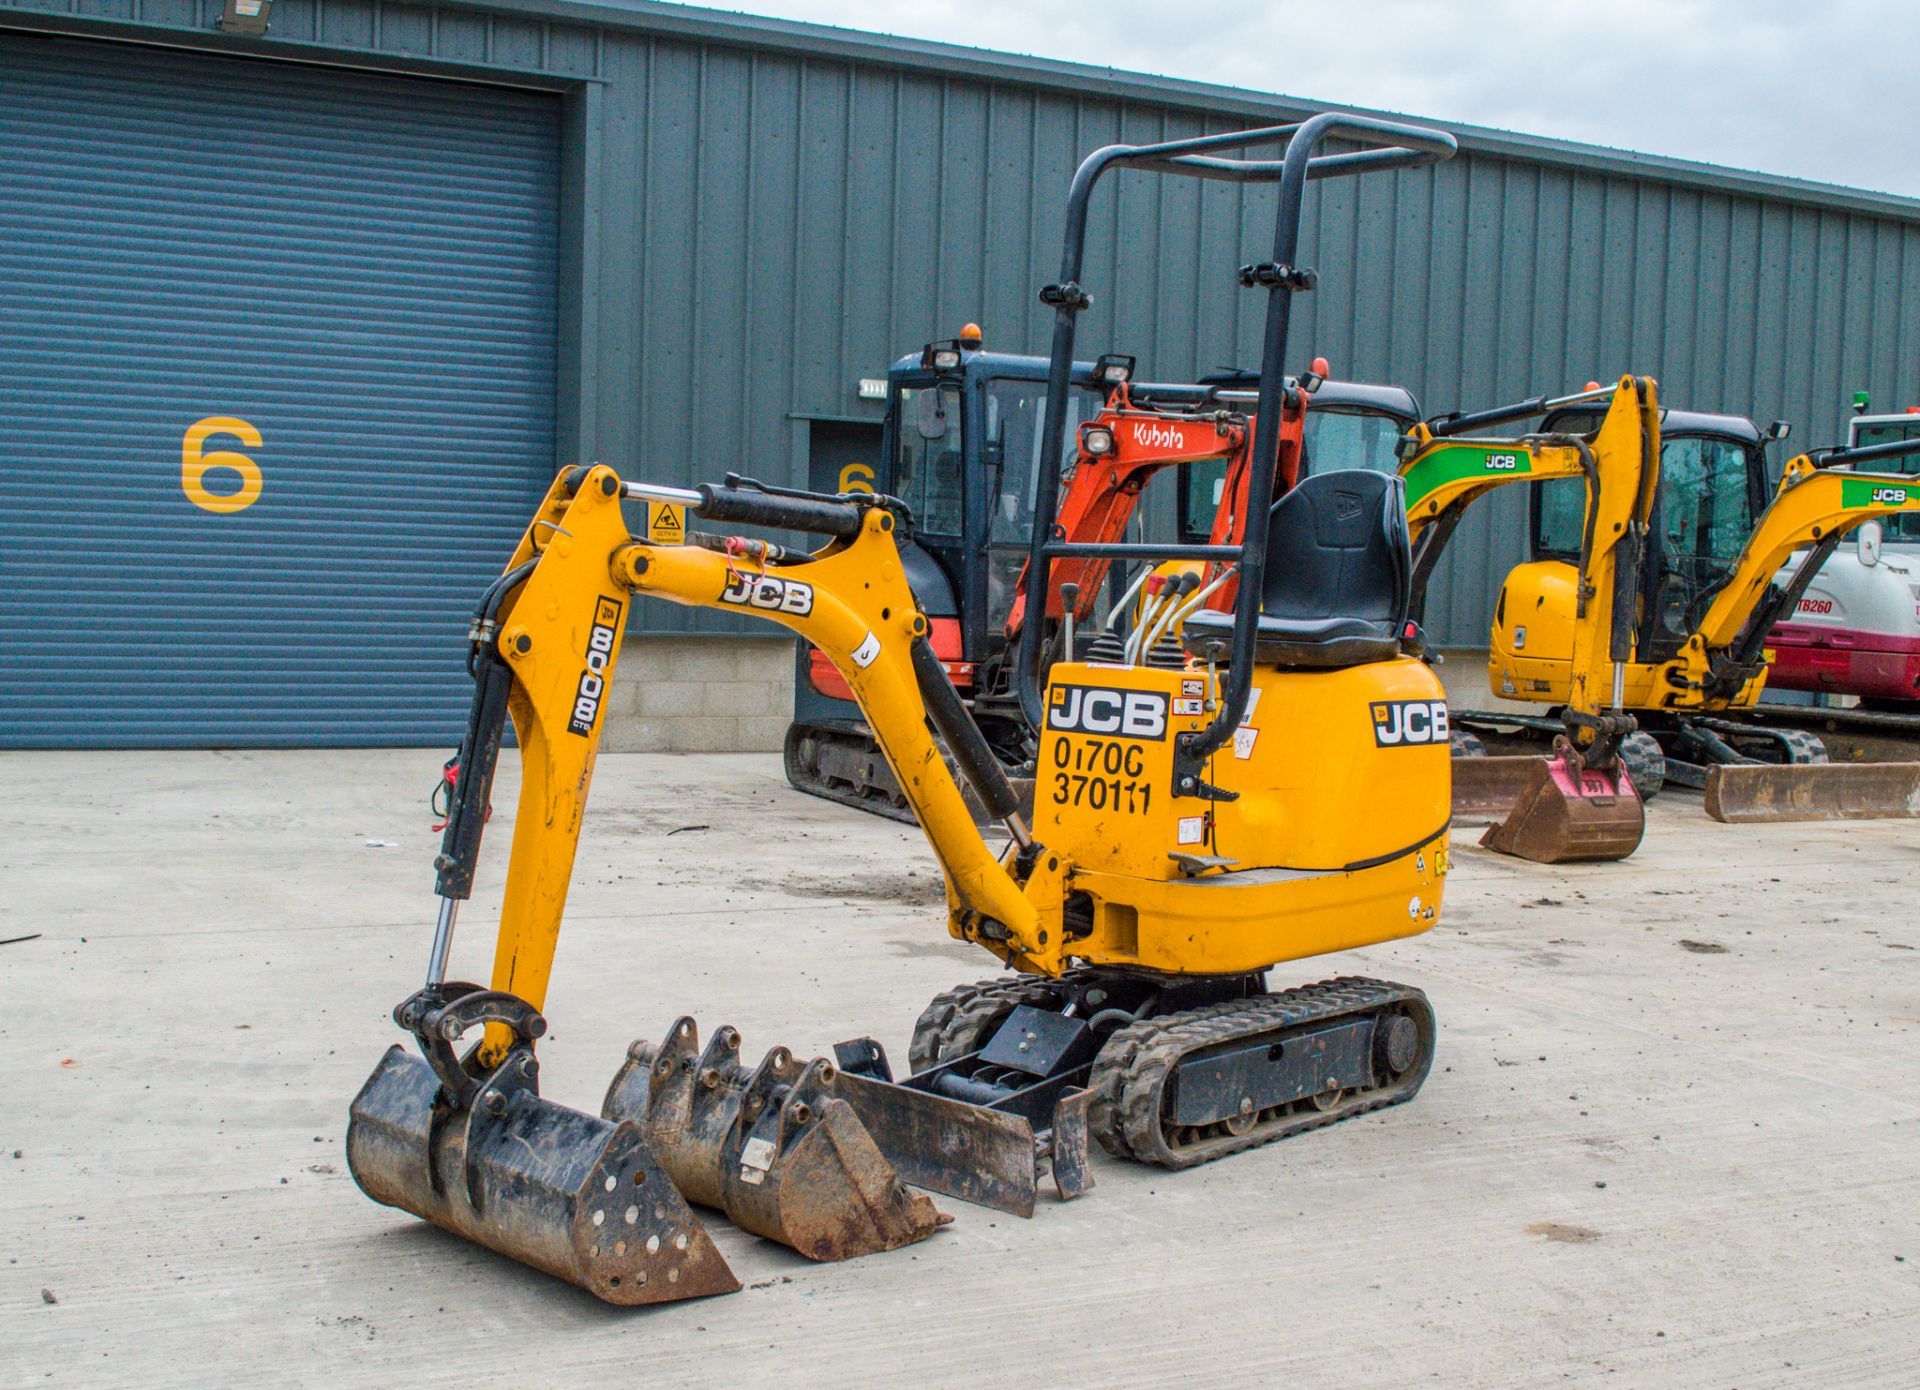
1569, 814
1756, 794
774, 1148
1491, 786
565, 1192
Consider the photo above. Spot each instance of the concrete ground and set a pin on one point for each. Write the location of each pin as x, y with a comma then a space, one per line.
1672, 1139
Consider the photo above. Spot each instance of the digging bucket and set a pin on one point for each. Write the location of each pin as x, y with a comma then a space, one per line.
1567, 813
772, 1147
566, 1192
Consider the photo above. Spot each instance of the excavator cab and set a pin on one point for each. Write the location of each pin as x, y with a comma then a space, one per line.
1351, 424
1714, 483
959, 447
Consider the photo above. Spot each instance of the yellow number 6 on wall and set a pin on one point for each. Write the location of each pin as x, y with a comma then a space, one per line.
194, 465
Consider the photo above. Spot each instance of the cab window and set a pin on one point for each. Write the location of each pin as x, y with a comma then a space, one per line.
1560, 519
927, 468
1015, 419
1337, 439
1894, 528
1706, 498
1334, 439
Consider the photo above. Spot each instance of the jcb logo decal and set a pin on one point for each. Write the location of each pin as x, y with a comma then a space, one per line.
764, 591
1093, 709
593, 680
1890, 497
1408, 723
1502, 463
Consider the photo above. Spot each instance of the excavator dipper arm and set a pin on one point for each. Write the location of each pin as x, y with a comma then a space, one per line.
558, 636
1104, 490
1813, 506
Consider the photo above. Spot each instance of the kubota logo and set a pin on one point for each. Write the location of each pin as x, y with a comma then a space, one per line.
1890, 497
1149, 435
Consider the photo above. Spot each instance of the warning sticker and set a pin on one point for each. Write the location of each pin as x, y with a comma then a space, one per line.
666, 523
1186, 704
867, 652
1190, 686
1243, 741
1193, 830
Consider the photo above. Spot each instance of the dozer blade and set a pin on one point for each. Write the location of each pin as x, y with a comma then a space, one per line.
566, 1192
774, 1148
1569, 814
1749, 794
1491, 786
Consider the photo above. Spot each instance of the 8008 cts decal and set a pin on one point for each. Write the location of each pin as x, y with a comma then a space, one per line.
593, 680
1408, 723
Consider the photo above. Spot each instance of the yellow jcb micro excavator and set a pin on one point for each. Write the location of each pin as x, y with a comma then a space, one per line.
1712, 590
1579, 622
1278, 795
1580, 804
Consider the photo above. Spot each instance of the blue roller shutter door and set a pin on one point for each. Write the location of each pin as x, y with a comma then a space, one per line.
276, 392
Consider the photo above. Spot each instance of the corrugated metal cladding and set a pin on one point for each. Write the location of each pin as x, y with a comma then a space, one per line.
346, 280
844, 213
770, 212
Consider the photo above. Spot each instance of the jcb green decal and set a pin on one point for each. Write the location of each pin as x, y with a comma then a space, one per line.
1454, 463
1872, 492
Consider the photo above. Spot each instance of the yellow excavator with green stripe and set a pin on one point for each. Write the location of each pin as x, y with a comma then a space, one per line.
1688, 677
1580, 804
1575, 631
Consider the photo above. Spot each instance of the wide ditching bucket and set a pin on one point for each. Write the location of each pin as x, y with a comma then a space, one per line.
773, 1147
1491, 786
1746, 794
569, 1193
1567, 813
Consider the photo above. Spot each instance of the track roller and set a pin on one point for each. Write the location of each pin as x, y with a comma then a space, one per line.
1183, 1089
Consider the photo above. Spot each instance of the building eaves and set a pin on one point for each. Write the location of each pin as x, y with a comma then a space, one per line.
698, 25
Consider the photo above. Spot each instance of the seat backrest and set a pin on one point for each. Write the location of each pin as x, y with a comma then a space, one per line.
1337, 547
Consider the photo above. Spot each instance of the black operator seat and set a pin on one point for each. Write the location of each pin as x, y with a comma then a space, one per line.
1338, 580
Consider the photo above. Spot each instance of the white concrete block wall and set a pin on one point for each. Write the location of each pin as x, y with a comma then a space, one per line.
700, 695
735, 694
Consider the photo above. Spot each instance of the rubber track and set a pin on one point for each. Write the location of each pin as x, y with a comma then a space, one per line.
965, 1009
1796, 742
803, 779
1129, 1079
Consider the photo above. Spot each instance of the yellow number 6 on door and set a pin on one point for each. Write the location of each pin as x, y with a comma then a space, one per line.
195, 463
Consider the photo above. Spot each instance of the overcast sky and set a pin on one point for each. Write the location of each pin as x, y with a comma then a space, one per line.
1819, 89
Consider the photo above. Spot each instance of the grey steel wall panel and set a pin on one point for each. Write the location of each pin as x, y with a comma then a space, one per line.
360, 267
778, 210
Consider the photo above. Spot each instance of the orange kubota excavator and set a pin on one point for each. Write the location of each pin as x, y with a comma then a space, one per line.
960, 446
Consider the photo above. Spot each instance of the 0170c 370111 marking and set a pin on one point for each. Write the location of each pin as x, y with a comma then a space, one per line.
1101, 773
